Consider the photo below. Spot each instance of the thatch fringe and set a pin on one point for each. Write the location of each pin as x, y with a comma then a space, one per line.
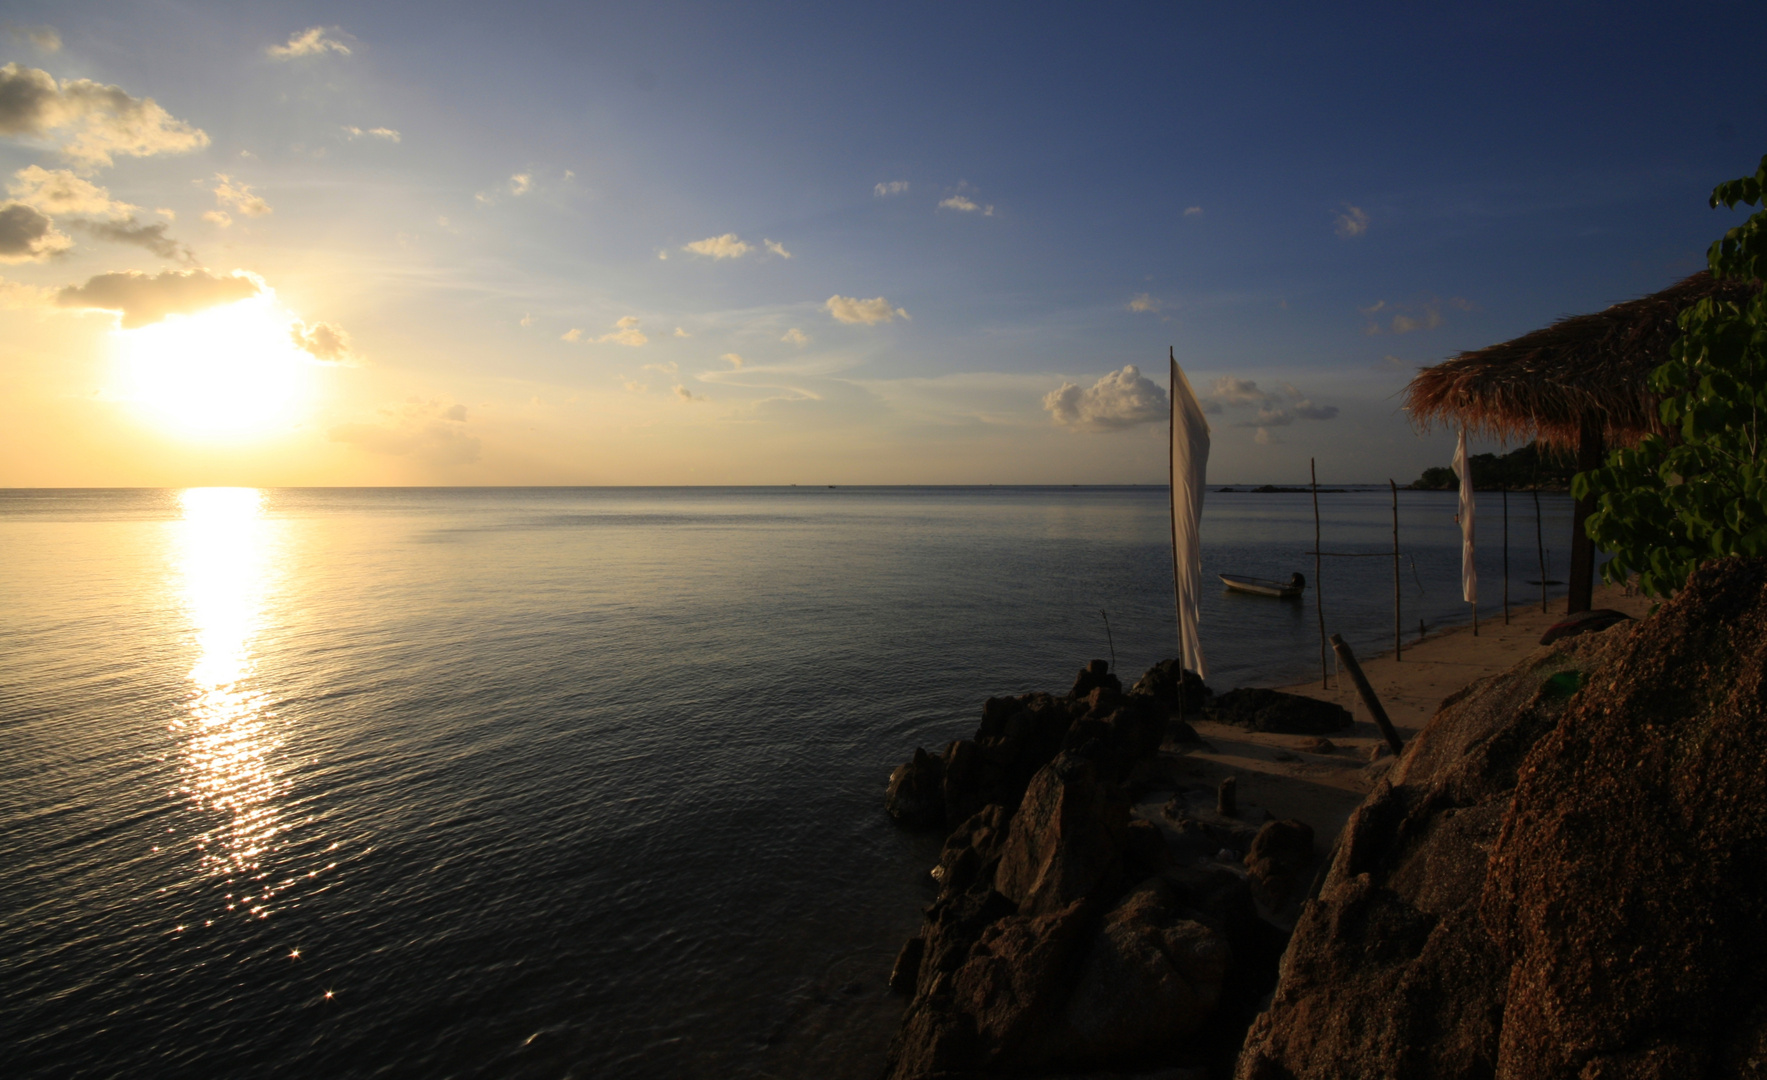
1541, 384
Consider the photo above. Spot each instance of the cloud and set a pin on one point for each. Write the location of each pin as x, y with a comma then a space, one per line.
967, 205
626, 332
1262, 438
240, 197
27, 234
851, 309
794, 336
1353, 222
44, 39
1231, 391
424, 431
130, 231
219, 218
527, 319
521, 183
1118, 400
776, 248
147, 298
734, 360
1144, 303
890, 187
728, 246
309, 42
99, 120
15, 295
681, 333
685, 394
323, 341
455, 412
572, 335
1429, 320
635, 386
1306, 410
58, 191
1409, 318
668, 367
372, 133
1193, 211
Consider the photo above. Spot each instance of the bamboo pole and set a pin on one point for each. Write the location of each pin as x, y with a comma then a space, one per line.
1318, 582
1398, 618
1506, 554
1348, 660
1539, 541
1172, 496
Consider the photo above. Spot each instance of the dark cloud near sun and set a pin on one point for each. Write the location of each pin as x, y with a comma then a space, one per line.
322, 341
130, 231
147, 298
98, 120
27, 234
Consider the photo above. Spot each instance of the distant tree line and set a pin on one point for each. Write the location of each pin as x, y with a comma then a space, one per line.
1517, 470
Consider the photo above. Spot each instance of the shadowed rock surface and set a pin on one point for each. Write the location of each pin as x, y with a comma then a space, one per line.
1565, 876
1272, 710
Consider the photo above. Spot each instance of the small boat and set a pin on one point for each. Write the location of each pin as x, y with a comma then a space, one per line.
1264, 586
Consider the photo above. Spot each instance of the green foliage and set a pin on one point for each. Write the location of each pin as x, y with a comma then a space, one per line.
1517, 470
1667, 505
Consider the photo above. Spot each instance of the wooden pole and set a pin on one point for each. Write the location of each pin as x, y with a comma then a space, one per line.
1398, 618
1318, 581
1581, 594
1172, 495
1347, 660
1506, 554
1539, 541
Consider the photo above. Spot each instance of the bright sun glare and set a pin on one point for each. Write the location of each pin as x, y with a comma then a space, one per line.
230, 372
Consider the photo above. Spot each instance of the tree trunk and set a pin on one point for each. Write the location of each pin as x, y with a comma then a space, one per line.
1582, 582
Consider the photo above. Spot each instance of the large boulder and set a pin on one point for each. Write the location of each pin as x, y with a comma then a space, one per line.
1272, 710
1562, 877
1066, 839
1174, 688
915, 798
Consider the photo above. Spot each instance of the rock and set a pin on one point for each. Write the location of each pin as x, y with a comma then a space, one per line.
1014, 982
1259, 709
1066, 839
906, 971
1280, 862
915, 798
1318, 746
1162, 682
1095, 674
1151, 978
972, 852
1392, 970
1584, 622
960, 785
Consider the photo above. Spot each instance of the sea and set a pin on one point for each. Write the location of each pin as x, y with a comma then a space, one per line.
571, 782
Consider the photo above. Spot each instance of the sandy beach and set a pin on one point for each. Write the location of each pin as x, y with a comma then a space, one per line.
1278, 772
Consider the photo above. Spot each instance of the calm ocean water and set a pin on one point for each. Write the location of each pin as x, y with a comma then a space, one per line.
559, 782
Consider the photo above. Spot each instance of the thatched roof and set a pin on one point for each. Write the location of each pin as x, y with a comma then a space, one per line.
1540, 384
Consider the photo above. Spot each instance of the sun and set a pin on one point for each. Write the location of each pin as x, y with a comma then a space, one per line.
228, 373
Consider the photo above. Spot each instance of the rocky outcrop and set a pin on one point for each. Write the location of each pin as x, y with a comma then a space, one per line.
1272, 710
1562, 877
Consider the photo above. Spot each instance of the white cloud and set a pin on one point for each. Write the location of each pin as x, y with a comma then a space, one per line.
219, 218
967, 205
734, 360
851, 309
240, 197
794, 336
625, 332
679, 332
635, 386
685, 394
323, 341
668, 367
1144, 303
1118, 400
142, 298
1352, 222
27, 234
59, 191
44, 39
372, 133
776, 248
1232, 391
573, 335
14, 295
99, 120
1193, 211
313, 41
521, 183
663, 255
890, 187
527, 319
728, 246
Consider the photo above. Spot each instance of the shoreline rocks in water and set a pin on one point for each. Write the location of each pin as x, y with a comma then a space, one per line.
1072, 933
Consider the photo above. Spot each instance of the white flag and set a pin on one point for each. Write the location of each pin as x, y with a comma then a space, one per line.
1189, 471
1469, 574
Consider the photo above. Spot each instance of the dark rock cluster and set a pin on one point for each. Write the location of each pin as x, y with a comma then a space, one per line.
1564, 876
1067, 936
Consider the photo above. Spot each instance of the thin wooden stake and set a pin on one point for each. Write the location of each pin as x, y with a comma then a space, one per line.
1539, 540
1506, 554
1398, 618
1318, 582
1348, 660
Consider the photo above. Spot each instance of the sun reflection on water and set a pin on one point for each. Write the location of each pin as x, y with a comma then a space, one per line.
227, 565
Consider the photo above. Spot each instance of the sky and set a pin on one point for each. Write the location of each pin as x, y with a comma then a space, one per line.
668, 243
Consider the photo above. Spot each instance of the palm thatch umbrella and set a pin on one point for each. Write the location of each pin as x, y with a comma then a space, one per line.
1583, 383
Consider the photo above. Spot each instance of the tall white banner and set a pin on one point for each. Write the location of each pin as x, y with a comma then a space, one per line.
1469, 573
1189, 471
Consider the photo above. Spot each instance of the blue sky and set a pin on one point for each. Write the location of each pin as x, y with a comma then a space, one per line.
959, 210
